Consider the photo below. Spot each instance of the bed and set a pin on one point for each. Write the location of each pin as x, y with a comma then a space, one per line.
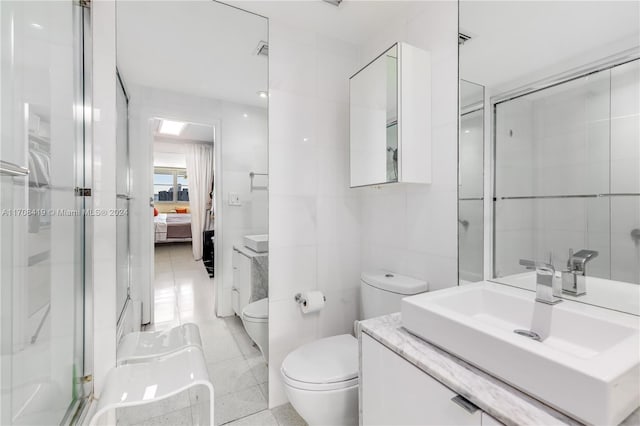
172, 227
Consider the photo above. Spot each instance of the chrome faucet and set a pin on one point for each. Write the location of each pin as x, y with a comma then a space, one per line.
548, 289
574, 278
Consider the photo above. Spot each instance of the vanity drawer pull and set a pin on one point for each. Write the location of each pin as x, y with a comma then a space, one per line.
465, 403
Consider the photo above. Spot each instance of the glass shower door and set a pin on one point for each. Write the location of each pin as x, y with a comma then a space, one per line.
41, 218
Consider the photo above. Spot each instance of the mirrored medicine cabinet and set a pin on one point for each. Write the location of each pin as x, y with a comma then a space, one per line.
390, 110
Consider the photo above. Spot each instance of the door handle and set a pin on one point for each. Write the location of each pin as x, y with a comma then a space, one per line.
10, 169
463, 402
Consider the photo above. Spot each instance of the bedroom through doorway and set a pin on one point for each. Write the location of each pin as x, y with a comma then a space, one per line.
183, 190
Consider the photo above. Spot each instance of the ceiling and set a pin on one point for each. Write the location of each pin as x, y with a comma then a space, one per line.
354, 21
198, 48
514, 39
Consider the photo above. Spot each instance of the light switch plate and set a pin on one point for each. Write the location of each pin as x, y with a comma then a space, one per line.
234, 199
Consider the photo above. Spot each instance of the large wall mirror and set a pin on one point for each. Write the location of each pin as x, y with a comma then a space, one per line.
193, 122
555, 126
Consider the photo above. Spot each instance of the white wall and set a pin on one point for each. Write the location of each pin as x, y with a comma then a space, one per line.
241, 145
412, 229
313, 216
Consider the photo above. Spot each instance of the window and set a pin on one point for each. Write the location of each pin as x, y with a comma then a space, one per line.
170, 185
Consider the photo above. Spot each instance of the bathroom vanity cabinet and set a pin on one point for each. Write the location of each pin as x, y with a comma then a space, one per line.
250, 277
390, 118
395, 391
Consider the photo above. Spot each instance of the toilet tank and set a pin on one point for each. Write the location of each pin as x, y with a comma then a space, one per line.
381, 292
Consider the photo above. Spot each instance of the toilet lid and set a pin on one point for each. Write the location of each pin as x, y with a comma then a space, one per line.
258, 309
394, 283
329, 360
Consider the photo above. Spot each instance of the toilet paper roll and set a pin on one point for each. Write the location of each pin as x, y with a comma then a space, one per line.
312, 301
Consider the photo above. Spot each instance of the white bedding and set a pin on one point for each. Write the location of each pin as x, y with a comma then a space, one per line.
160, 225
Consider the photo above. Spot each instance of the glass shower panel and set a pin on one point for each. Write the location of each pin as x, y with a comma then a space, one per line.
41, 225
555, 142
552, 175
471, 183
568, 174
471, 196
546, 228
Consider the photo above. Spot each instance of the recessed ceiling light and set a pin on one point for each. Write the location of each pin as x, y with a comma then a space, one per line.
467, 131
263, 94
174, 128
245, 115
36, 26
305, 139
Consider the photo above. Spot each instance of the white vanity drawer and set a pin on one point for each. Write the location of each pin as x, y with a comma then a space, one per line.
394, 391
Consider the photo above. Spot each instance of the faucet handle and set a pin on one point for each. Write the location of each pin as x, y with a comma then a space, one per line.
529, 264
579, 259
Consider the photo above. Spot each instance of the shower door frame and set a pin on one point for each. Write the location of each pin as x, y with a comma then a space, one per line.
85, 146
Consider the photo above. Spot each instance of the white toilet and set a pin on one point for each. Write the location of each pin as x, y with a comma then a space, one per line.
255, 318
321, 377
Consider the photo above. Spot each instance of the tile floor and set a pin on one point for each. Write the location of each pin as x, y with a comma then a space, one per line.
185, 293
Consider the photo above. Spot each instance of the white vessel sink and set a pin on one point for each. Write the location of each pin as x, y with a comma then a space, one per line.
586, 363
258, 243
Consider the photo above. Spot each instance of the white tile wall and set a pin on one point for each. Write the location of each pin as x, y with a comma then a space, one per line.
323, 234
313, 217
412, 230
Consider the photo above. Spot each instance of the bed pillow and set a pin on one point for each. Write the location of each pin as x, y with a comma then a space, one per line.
181, 209
155, 212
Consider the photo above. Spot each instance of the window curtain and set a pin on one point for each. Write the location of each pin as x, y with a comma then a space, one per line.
200, 177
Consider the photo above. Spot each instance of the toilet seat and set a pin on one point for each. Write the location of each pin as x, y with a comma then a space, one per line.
325, 364
257, 311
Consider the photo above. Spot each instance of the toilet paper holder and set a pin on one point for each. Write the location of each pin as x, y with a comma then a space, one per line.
302, 301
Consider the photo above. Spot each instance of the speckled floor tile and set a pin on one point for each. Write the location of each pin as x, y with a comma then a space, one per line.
262, 418
239, 404
286, 415
231, 375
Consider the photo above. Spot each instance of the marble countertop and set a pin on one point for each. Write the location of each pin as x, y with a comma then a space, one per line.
500, 400
248, 252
